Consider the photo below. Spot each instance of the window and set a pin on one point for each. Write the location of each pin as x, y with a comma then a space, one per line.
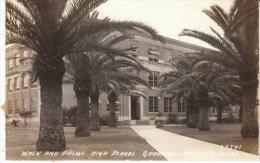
10, 107
17, 106
25, 81
34, 84
10, 64
153, 54
181, 106
134, 45
214, 109
153, 104
34, 105
25, 104
167, 104
134, 49
168, 55
17, 60
10, 84
117, 104
17, 82
153, 79
25, 55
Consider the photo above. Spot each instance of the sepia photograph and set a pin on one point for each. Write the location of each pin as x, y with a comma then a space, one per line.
129, 80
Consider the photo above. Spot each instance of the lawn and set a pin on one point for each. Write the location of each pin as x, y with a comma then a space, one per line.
221, 134
120, 143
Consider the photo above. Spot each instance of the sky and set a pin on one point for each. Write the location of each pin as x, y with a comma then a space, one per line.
168, 17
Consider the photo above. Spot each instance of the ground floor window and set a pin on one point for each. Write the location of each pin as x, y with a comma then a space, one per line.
25, 104
153, 104
34, 105
167, 104
10, 107
181, 106
214, 109
17, 106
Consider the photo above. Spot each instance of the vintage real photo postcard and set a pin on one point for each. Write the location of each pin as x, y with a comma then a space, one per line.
137, 80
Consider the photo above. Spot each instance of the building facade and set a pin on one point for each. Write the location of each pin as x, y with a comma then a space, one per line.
21, 94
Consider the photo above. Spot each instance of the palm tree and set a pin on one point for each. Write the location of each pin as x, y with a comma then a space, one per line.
217, 83
53, 29
85, 73
181, 91
238, 50
198, 83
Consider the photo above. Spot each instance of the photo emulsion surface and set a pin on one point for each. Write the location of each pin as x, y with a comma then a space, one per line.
131, 80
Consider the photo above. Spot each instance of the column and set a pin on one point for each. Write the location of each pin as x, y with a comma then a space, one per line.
13, 100
21, 93
29, 92
141, 107
129, 107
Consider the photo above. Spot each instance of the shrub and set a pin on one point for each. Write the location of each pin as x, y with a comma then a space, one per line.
171, 119
70, 116
228, 120
181, 121
25, 115
159, 123
104, 120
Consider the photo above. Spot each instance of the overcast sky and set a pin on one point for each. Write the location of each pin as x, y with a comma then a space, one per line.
168, 17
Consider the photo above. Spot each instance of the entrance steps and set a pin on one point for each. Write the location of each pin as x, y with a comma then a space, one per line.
140, 122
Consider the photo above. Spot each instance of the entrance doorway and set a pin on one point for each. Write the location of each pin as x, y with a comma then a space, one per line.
135, 108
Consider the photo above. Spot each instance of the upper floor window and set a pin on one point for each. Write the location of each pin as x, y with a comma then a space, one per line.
134, 49
181, 106
167, 104
167, 55
153, 104
25, 81
25, 55
10, 64
153, 79
134, 46
17, 82
153, 54
10, 84
17, 60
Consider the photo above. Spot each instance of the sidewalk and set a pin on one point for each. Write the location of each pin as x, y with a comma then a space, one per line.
177, 147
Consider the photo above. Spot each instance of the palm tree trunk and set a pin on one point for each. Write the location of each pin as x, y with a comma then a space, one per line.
240, 113
220, 109
95, 124
203, 116
219, 119
192, 109
51, 134
83, 120
112, 110
249, 120
203, 105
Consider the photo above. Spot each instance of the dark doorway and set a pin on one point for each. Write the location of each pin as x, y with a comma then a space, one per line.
135, 108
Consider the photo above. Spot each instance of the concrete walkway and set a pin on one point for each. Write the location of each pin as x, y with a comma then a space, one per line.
177, 147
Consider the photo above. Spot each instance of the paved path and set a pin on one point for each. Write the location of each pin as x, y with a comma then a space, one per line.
177, 147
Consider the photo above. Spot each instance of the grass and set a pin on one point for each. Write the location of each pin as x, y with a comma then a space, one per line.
121, 139
221, 134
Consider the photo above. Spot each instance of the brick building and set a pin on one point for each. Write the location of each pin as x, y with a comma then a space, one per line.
23, 95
